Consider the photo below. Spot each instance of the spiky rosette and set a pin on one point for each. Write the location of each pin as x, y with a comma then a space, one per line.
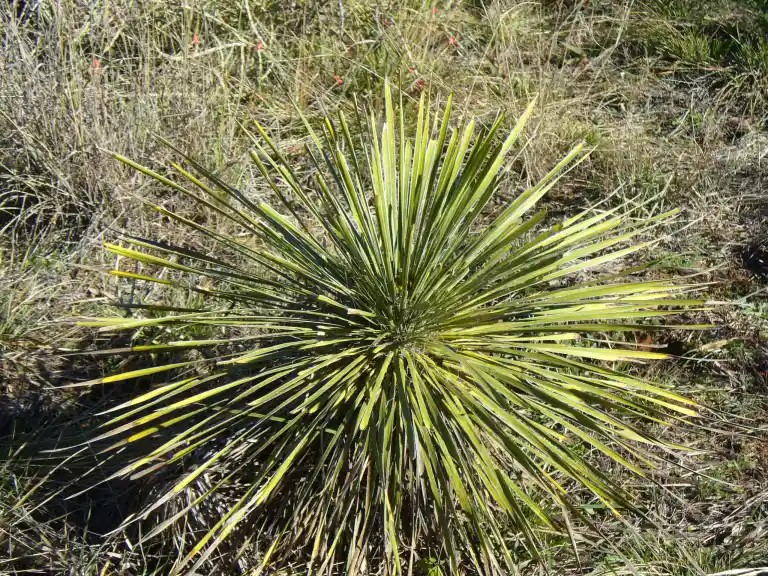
407, 376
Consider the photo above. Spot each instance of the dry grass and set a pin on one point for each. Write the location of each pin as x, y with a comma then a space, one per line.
674, 104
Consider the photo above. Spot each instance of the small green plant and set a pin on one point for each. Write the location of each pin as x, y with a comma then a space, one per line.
691, 48
414, 375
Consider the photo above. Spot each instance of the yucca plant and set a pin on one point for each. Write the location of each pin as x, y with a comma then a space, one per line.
414, 371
